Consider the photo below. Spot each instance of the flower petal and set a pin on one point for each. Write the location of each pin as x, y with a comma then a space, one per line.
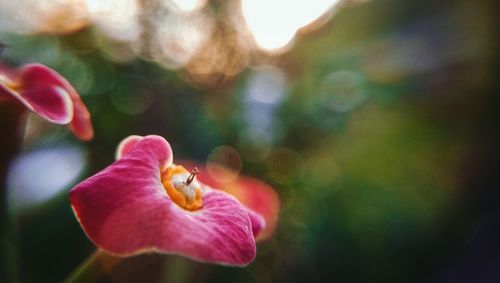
125, 210
258, 222
37, 75
50, 103
252, 193
261, 198
6, 93
126, 145
81, 125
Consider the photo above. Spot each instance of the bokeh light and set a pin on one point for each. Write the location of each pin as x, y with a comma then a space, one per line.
343, 90
263, 95
274, 23
189, 5
117, 19
223, 164
179, 37
39, 175
52, 16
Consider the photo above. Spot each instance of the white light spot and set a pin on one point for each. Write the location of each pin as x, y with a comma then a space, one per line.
39, 175
118, 19
189, 5
274, 23
264, 92
179, 37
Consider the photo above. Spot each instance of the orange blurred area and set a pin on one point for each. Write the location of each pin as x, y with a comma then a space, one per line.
212, 42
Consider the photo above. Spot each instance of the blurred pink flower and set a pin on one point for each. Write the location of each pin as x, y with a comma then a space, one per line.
47, 94
143, 202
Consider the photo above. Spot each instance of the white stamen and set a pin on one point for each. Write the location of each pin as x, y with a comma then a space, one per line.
189, 191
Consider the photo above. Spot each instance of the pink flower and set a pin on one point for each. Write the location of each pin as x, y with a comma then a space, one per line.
47, 94
143, 202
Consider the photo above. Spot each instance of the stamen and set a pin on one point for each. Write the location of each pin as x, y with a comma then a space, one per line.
185, 192
193, 174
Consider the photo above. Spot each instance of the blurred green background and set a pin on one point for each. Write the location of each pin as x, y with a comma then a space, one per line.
378, 128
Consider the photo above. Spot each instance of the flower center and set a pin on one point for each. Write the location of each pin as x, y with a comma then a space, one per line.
182, 187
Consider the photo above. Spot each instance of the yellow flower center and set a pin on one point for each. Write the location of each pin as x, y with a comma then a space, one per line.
182, 187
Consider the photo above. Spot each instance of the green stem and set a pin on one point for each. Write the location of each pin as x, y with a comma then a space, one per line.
94, 267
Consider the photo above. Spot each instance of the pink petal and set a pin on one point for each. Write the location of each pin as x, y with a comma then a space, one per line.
81, 125
258, 222
126, 145
37, 75
252, 193
125, 210
261, 198
266, 201
50, 103
6, 93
